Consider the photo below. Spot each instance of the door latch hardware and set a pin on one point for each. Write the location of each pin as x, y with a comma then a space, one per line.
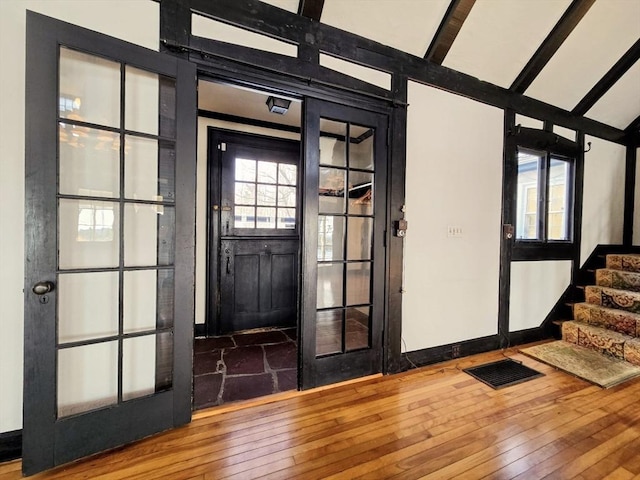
507, 231
42, 288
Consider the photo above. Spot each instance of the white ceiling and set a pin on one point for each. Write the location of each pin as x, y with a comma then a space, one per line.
498, 39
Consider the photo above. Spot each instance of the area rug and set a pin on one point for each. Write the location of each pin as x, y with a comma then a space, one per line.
503, 373
592, 366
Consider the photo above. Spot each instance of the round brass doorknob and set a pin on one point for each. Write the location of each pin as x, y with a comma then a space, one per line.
42, 288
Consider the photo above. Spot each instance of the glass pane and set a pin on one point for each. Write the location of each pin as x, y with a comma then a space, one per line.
286, 196
89, 161
558, 200
331, 190
360, 193
87, 378
148, 234
165, 299
287, 218
357, 328
141, 168
358, 283
138, 366
332, 143
89, 88
330, 238
167, 107
140, 299
267, 172
330, 285
88, 234
361, 148
328, 332
164, 361
245, 217
287, 174
527, 203
266, 217
245, 194
245, 170
360, 238
266, 195
141, 100
87, 306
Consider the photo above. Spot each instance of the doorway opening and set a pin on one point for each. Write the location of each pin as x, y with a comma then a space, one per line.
248, 242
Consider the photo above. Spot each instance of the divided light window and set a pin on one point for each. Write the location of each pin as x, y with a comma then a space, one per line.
544, 197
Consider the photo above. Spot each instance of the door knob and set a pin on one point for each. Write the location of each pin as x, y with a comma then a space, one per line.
42, 288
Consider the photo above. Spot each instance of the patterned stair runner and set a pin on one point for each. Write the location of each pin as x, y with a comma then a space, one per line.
608, 321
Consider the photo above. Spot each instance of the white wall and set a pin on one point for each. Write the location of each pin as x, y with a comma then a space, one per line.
136, 21
454, 178
201, 200
535, 289
603, 204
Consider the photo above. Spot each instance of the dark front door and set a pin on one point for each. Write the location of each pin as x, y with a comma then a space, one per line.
259, 223
109, 265
344, 237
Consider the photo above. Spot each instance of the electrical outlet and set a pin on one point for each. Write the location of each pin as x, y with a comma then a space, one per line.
455, 351
453, 231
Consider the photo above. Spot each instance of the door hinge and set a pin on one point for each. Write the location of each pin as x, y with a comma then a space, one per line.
222, 147
384, 239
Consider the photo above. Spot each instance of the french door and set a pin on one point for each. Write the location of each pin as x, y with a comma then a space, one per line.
110, 169
344, 238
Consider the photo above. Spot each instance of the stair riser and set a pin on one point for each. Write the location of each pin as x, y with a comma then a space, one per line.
610, 298
618, 279
632, 351
594, 338
616, 320
627, 263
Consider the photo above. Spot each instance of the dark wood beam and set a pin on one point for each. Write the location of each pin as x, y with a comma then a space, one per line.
634, 126
551, 44
448, 30
610, 78
311, 9
629, 195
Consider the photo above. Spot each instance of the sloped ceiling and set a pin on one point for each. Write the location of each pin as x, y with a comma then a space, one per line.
579, 55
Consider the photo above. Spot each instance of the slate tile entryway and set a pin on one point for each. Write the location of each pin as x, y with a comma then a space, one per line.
243, 366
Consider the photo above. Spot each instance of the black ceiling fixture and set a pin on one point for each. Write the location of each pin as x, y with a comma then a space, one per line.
278, 105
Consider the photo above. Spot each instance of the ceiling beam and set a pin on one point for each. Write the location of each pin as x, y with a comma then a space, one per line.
448, 30
610, 78
551, 44
311, 9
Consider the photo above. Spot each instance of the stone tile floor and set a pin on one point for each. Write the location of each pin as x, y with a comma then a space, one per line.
243, 366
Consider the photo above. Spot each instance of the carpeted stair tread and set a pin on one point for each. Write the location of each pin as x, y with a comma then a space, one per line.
632, 351
618, 279
613, 298
601, 340
627, 262
610, 318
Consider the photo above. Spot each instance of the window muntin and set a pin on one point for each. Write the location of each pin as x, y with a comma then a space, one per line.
544, 192
265, 194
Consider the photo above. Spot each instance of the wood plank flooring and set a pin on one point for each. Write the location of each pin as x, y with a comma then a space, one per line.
431, 423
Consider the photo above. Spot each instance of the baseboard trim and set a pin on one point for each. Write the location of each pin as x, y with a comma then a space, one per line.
428, 356
10, 445
199, 329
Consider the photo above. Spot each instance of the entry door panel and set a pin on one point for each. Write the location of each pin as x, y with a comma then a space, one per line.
109, 251
344, 258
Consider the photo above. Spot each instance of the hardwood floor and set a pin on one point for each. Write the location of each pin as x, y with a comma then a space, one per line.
435, 422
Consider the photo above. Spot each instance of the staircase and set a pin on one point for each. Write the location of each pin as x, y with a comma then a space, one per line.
608, 322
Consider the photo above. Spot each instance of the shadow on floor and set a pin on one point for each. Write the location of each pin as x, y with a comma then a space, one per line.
243, 366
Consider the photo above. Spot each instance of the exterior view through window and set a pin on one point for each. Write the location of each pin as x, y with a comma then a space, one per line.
544, 197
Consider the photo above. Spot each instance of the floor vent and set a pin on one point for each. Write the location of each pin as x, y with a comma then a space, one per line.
503, 373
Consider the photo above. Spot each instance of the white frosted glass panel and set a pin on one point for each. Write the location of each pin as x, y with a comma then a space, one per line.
141, 101
141, 169
140, 295
138, 366
87, 306
366, 74
87, 378
565, 132
529, 122
89, 161
141, 234
329, 285
89, 88
88, 232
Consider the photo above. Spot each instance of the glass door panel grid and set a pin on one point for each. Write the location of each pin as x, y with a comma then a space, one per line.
116, 232
345, 238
